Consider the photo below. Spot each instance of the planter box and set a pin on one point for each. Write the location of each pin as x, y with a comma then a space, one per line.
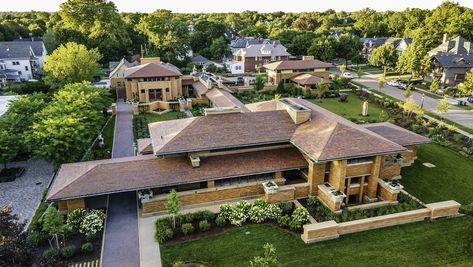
270, 187
391, 187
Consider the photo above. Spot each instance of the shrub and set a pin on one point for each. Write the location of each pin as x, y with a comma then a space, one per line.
68, 252
69, 231
36, 238
90, 237
204, 215
284, 221
313, 201
163, 233
75, 218
237, 217
220, 221
273, 212
51, 258
256, 214
50, 253
415, 128
260, 203
92, 222
225, 211
188, 217
467, 209
286, 207
299, 217
178, 264
204, 225
87, 248
187, 228
458, 137
165, 221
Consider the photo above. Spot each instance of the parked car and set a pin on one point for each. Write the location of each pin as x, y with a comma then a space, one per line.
470, 99
393, 83
347, 75
240, 79
402, 85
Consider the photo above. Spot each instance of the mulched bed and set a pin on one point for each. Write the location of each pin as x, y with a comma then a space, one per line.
10, 174
78, 241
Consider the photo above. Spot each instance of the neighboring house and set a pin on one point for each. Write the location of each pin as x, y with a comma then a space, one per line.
203, 61
253, 56
305, 73
117, 72
451, 61
369, 44
228, 153
153, 81
400, 44
8, 75
27, 57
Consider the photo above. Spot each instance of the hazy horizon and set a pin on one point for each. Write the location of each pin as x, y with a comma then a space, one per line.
226, 6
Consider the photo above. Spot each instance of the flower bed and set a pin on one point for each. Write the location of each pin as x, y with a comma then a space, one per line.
322, 213
80, 239
202, 223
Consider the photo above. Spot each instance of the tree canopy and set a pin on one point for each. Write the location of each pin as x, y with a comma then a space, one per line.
384, 56
71, 63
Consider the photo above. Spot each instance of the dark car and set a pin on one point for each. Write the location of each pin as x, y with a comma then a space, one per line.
240, 80
470, 99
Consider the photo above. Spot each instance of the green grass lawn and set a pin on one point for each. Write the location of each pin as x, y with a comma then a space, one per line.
96, 152
438, 243
352, 109
452, 178
141, 121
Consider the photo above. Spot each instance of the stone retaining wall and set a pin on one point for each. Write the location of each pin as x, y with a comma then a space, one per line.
329, 230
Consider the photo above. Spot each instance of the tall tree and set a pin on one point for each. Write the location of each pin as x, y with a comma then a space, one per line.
53, 223
324, 48
14, 250
9, 144
71, 63
100, 22
384, 56
413, 60
219, 48
259, 83
168, 35
467, 86
349, 47
443, 105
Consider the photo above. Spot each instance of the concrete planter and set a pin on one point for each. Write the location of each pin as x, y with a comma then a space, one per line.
337, 196
270, 187
392, 187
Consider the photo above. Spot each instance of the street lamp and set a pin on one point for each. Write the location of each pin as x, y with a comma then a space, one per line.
422, 102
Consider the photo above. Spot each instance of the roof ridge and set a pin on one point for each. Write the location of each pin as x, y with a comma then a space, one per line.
75, 179
179, 133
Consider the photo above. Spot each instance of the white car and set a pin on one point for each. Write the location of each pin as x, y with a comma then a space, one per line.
393, 83
347, 75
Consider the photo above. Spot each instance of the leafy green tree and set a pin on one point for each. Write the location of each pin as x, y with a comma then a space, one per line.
305, 22
408, 92
259, 83
381, 83
323, 48
173, 205
343, 68
322, 89
435, 85
269, 258
443, 105
410, 106
467, 86
64, 129
168, 35
360, 73
368, 22
412, 60
100, 22
205, 33
53, 223
384, 56
49, 40
219, 48
255, 31
280, 89
9, 144
349, 47
301, 43
71, 63
14, 250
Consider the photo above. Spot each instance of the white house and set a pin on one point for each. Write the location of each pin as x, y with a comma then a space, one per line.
27, 57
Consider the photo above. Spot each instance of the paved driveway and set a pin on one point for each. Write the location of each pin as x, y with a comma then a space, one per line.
26, 192
121, 244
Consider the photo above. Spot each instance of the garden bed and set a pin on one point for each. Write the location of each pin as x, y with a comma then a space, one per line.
141, 121
321, 213
10, 174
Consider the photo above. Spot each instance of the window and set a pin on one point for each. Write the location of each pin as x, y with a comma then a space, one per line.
360, 160
167, 90
459, 77
155, 94
19, 72
26, 68
143, 91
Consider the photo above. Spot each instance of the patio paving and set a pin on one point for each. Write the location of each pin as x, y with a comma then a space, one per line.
25, 193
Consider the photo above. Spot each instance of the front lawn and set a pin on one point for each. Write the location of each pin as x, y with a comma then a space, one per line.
436, 243
352, 109
141, 121
452, 178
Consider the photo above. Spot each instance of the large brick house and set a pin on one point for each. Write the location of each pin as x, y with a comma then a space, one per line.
451, 61
231, 151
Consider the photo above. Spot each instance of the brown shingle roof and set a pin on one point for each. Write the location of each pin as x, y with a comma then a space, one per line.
144, 146
94, 178
222, 98
397, 134
309, 79
297, 65
152, 70
327, 136
221, 131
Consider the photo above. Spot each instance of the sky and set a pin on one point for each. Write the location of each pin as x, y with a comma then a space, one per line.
209, 6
